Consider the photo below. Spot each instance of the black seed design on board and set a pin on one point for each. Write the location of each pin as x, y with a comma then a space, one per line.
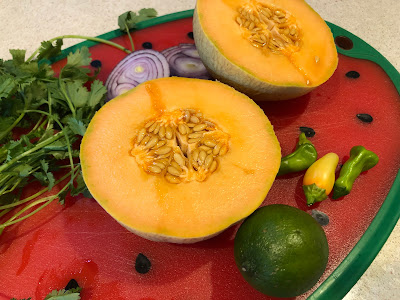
96, 63
352, 74
72, 284
190, 35
320, 217
344, 42
366, 118
147, 45
308, 131
142, 264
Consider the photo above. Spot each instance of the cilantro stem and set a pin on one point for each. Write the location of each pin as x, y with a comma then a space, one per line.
64, 91
42, 191
89, 38
64, 130
5, 190
47, 201
11, 127
28, 152
130, 37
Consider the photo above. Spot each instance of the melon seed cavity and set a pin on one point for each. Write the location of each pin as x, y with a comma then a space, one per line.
180, 146
271, 29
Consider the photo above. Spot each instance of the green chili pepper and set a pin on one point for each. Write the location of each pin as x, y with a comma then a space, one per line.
360, 160
303, 157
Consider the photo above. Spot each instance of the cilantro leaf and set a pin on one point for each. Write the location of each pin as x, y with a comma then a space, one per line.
80, 187
77, 92
97, 92
72, 294
48, 50
7, 85
18, 56
130, 18
77, 126
79, 58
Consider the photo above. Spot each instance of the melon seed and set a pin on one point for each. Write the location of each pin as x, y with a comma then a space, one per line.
171, 170
195, 154
192, 141
223, 150
366, 118
176, 166
152, 127
172, 179
202, 157
182, 129
195, 135
209, 143
157, 129
168, 133
145, 140
217, 148
205, 148
141, 135
142, 264
148, 124
151, 143
179, 159
213, 166
161, 133
155, 169
194, 119
159, 164
163, 150
159, 144
187, 116
208, 161
199, 127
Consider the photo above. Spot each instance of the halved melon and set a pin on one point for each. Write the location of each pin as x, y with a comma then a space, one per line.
268, 49
179, 159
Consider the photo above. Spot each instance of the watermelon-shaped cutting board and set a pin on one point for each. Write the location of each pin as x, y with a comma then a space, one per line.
81, 241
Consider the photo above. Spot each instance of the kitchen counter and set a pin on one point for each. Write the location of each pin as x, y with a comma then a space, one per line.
26, 23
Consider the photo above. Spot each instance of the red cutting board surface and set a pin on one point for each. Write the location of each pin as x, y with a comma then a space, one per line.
80, 240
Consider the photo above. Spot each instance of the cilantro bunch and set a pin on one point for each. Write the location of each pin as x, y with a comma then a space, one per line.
51, 113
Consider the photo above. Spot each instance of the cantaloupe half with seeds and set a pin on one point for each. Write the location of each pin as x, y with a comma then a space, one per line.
178, 159
268, 49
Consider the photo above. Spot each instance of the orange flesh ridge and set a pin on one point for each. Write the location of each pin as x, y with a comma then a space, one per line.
217, 18
150, 204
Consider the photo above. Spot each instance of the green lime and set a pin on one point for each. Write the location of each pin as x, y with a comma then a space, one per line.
281, 250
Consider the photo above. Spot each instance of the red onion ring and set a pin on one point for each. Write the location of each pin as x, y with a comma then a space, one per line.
184, 61
137, 67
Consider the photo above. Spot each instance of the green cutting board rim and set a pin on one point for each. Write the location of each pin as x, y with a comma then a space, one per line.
343, 278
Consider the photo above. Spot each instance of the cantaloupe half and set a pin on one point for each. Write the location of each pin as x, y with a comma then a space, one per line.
178, 159
268, 49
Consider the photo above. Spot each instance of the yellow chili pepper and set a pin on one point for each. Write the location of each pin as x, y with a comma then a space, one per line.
320, 178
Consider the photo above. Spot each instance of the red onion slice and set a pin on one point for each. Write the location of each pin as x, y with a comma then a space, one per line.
184, 61
137, 67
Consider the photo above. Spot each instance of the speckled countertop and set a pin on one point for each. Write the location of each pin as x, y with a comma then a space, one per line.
25, 23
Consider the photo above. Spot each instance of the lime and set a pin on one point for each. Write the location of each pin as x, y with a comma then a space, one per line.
281, 250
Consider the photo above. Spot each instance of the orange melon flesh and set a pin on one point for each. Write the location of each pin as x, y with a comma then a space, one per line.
190, 211
231, 58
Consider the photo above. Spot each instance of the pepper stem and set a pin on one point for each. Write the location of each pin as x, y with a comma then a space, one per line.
314, 194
